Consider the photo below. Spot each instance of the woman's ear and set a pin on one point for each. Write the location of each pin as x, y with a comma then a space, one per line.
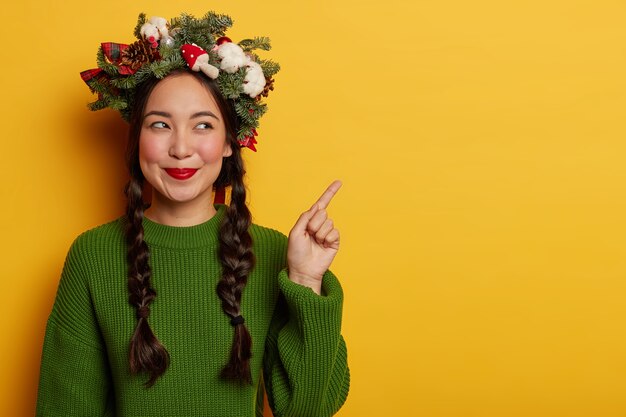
228, 151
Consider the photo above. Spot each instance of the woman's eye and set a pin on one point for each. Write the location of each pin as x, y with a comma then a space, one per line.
158, 125
204, 126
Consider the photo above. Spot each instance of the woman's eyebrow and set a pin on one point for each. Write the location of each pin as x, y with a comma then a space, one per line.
204, 113
193, 116
157, 113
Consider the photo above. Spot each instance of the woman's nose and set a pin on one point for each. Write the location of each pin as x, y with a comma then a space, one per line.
181, 146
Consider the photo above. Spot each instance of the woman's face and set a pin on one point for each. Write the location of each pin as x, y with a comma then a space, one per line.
182, 143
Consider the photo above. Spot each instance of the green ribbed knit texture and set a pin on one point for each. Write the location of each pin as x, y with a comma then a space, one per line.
296, 339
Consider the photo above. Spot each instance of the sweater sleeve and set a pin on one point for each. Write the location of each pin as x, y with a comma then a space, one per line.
74, 378
305, 363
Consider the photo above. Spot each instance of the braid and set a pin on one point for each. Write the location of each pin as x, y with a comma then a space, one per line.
237, 258
146, 353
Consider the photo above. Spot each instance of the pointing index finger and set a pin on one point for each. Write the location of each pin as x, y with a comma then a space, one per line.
328, 195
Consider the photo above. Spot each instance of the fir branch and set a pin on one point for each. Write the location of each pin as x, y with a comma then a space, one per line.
160, 69
231, 85
249, 110
105, 65
201, 31
97, 105
181, 21
143, 74
214, 58
217, 23
125, 114
259, 111
243, 112
118, 103
257, 42
99, 87
141, 20
269, 67
167, 51
202, 39
125, 83
245, 131
207, 42
180, 26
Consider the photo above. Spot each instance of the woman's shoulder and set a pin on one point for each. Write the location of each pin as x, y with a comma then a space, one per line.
93, 252
268, 234
105, 236
270, 250
267, 240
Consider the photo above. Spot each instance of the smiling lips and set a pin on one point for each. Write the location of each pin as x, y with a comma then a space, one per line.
180, 173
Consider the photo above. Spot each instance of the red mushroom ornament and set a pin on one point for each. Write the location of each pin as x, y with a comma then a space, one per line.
198, 60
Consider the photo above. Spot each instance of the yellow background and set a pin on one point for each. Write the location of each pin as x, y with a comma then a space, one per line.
482, 147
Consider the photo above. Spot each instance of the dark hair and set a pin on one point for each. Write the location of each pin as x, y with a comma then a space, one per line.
146, 353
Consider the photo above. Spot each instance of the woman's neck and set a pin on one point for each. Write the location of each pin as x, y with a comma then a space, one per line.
180, 214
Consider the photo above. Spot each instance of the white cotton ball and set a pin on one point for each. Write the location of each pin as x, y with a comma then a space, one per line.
161, 25
159, 22
150, 32
254, 82
232, 57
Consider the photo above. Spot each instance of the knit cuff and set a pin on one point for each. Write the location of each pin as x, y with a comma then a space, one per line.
323, 311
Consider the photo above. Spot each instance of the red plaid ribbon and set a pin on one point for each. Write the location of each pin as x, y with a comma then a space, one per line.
113, 53
89, 74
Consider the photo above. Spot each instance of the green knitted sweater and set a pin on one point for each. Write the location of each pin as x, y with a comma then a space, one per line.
298, 354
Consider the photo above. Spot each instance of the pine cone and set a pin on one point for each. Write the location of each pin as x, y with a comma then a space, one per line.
269, 86
138, 54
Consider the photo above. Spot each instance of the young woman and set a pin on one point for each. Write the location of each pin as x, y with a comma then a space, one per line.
183, 307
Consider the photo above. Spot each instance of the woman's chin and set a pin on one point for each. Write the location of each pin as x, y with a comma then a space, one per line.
183, 197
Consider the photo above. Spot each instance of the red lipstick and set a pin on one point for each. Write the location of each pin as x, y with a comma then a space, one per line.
180, 173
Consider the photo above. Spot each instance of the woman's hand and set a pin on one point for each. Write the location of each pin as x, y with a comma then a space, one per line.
313, 243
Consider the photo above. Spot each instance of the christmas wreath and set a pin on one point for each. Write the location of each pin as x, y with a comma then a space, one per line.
201, 44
